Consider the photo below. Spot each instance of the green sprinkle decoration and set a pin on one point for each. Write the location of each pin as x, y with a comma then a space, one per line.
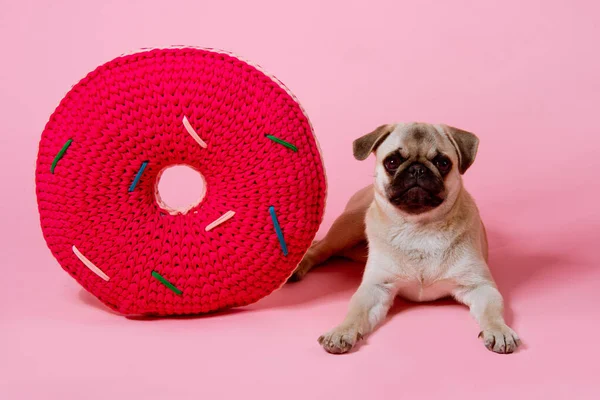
166, 283
60, 155
282, 142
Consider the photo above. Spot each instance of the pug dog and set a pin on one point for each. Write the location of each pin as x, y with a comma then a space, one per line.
420, 233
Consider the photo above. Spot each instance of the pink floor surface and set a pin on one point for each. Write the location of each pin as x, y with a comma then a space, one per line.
522, 75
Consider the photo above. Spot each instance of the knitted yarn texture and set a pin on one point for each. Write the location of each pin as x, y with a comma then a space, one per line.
103, 150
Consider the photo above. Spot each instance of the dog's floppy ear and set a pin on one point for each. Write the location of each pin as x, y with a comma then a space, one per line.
466, 144
365, 145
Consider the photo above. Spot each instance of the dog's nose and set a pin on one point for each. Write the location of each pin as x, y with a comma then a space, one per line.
416, 169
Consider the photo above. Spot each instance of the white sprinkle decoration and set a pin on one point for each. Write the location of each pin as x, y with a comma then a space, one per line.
192, 132
90, 264
228, 215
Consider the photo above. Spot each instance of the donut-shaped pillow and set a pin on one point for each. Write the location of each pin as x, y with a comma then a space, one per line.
102, 153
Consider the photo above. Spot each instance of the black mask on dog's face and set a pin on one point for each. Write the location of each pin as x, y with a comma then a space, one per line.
416, 186
422, 162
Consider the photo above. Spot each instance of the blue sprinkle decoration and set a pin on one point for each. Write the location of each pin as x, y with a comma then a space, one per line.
138, 176
278, 231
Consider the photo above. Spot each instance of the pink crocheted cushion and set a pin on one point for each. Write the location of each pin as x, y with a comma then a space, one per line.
116, 130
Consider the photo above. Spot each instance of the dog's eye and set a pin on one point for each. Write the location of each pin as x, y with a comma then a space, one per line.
442, 163
392, 163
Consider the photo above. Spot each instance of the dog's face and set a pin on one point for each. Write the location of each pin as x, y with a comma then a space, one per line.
418, 165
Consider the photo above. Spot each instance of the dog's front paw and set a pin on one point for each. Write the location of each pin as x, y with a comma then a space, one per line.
340, 340
500, 339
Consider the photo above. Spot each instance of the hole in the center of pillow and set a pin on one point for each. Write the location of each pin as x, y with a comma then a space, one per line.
179, 188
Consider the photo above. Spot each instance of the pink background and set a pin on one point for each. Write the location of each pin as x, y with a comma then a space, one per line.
524, 75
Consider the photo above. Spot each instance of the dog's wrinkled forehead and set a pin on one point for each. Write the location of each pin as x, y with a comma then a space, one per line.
416, 140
